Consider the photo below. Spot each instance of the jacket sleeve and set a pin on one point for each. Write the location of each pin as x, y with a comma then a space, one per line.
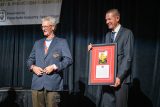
66, 56
31, 59
125, 66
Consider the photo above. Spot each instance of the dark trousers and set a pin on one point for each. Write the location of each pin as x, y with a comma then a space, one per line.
115, 97
44, 98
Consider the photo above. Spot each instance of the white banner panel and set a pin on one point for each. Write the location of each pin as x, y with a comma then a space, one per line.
22, 12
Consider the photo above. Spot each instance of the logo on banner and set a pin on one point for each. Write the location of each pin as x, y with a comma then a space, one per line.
2, 15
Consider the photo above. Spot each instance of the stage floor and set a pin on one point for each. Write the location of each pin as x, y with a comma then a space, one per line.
19, 97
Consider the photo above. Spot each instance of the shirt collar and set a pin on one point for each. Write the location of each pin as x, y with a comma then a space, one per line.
117, 28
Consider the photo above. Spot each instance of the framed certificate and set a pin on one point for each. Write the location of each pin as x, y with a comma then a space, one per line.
102, 64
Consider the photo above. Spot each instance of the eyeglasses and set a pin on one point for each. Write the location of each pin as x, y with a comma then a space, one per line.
45, 27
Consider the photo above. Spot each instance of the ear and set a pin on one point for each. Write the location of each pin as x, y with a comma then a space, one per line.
54, 28
117, 18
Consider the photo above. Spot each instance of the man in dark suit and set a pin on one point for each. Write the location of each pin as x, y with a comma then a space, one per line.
49, 57
117, 94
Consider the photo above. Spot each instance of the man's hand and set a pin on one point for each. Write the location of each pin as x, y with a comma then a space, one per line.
37, 70
117, 82
51, 68
89, 47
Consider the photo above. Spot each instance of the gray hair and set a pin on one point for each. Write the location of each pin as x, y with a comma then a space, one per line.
49, 19
114, 11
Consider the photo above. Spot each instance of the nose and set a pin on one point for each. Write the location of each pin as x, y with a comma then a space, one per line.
107, 21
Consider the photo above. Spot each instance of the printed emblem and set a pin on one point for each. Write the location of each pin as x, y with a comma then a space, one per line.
56, 55
2, 15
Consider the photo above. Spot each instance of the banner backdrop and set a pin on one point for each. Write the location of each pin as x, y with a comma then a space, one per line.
22, 12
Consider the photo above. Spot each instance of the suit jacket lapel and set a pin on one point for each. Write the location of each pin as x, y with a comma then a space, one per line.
53, 43
119, 34
42, 47
110, 37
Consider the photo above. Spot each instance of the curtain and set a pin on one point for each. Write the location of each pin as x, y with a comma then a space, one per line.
83, 22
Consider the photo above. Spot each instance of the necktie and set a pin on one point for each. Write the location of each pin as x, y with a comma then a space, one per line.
112, 36
45, 47
47, 43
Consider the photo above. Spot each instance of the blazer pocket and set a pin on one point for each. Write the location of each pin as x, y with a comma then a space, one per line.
120, 56
57, 55
120, 52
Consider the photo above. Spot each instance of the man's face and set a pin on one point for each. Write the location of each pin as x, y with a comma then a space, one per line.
47, 28
112, 20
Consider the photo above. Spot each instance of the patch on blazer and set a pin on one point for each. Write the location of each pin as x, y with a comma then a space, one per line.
56, 55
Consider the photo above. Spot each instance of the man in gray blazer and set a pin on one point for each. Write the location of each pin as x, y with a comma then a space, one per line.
49, 57
117, 95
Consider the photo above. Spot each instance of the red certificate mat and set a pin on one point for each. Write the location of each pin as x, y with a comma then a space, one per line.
102, 64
